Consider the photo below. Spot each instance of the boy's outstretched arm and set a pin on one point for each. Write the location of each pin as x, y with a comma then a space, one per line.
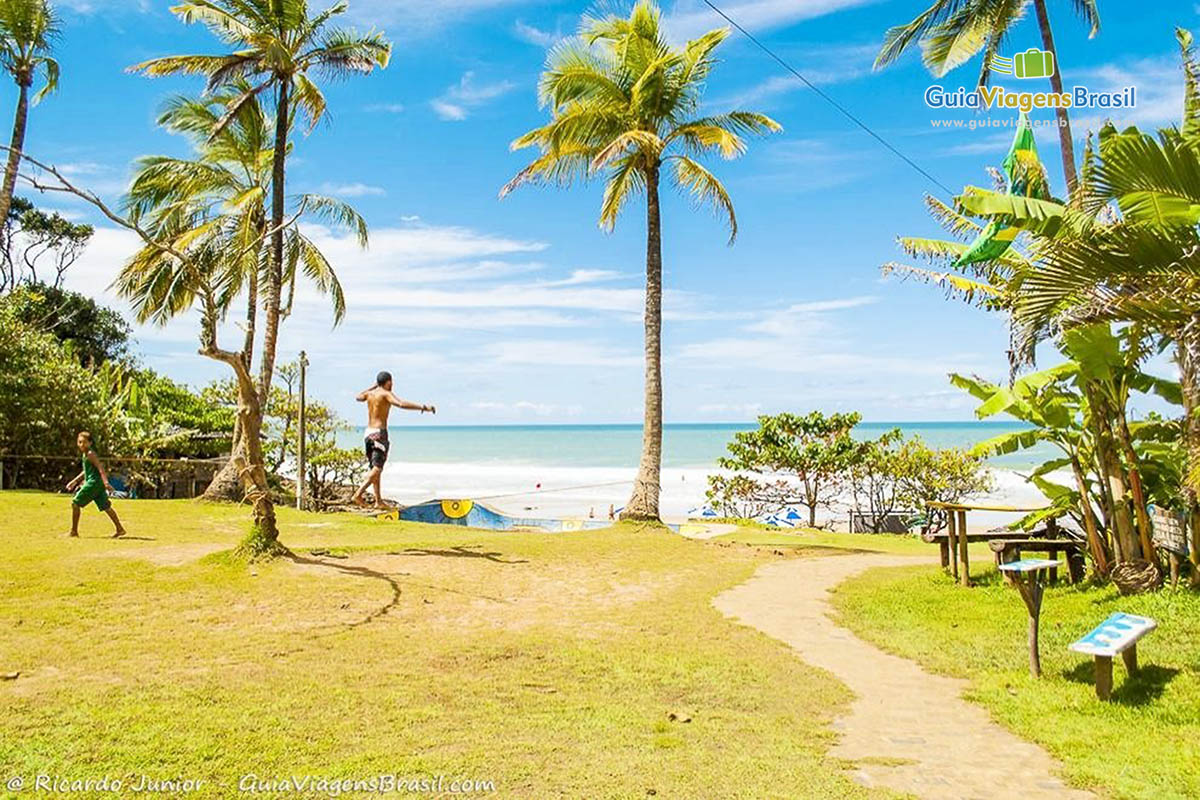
408, 405
78, 479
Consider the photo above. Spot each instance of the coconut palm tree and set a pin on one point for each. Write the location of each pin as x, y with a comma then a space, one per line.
212, 209
623, 103
952, 32
27, 32
279, 45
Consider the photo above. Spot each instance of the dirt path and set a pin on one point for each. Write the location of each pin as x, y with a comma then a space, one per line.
909, 730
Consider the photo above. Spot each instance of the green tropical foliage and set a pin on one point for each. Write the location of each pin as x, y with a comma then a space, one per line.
96, 334
623, 103
814, 461
788, 460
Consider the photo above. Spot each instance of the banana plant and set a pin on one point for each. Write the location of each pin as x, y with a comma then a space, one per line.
1046, 401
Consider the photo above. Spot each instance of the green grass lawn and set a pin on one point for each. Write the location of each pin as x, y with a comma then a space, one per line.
1144, 744
547, 663
803, 539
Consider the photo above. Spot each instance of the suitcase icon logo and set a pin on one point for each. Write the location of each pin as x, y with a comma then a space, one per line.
1033, 63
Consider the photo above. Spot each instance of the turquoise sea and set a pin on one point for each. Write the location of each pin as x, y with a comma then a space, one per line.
684, 445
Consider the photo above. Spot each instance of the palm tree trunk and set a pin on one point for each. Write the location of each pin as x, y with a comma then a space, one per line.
226, 485
14, 156
264, 536
1066, 143
643, 504
271, 308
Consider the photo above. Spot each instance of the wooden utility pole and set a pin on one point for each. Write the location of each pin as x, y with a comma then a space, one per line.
301, 446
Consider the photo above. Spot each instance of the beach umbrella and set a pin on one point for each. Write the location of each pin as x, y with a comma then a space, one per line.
795, 517
702, 512
778, 521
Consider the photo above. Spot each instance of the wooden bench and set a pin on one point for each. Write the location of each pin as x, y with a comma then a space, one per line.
1118, 634
955, 549
1013, 549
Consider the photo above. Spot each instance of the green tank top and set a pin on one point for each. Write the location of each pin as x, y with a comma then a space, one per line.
91, 475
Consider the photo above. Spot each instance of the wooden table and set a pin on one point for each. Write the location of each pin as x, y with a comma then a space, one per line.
956, 514
1028, 574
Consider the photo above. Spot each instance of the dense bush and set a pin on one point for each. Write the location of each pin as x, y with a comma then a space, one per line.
813, 461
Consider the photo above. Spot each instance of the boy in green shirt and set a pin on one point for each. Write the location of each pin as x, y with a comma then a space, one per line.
93, 487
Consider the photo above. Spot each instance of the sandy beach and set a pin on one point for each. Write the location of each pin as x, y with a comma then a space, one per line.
561, 491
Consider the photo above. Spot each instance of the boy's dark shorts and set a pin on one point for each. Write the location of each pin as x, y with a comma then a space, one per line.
92, 493
377, 446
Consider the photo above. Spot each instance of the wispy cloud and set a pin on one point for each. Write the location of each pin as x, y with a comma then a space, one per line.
459, 100
811, 164
385, 108
849, 62
421, 14
526, 408
690, 18
535, 36
352, 190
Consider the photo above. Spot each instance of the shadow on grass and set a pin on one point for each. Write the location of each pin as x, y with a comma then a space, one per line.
1137, 690
361, 572
461, 551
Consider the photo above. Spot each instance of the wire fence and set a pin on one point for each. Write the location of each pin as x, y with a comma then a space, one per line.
152, 478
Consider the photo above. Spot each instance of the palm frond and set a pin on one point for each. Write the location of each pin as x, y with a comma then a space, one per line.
705, 189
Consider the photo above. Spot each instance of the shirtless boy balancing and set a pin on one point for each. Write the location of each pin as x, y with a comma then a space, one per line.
93, 487
380, 399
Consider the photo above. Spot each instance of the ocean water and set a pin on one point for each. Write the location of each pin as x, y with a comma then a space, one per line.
687, 446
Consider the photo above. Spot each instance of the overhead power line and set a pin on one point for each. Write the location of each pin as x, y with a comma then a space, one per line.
824, 96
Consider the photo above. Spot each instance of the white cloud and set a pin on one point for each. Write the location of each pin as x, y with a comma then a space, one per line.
526, 408
804, 339
690, 18
352, 190
106, 6
422, 13
535, 36
459, 100
559, 353
581, 276
1159, 83
823, 66
811, 164
387, 108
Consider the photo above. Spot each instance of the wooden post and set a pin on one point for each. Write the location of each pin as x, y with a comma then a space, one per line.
1104, 678
301, 447
1130, 657
952, 540
965, 575
1031, 589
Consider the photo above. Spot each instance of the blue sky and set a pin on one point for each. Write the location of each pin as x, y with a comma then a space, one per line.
522, 310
